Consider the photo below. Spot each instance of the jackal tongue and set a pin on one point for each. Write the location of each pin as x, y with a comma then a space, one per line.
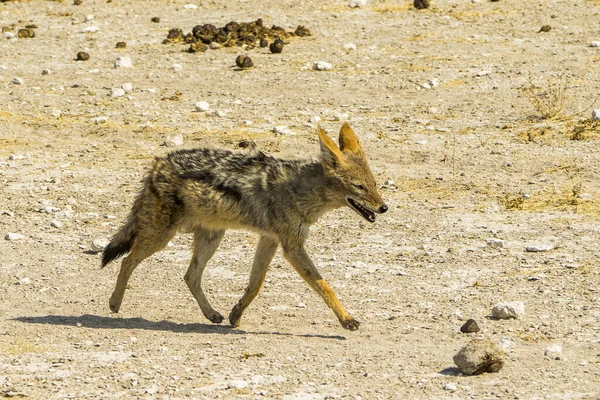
362, 210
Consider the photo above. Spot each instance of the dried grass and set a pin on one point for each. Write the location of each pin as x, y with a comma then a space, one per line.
548, 101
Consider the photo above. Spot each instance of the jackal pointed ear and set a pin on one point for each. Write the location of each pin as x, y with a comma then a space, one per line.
348, 140
330, 153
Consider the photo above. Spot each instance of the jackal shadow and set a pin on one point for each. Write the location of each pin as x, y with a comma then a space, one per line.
101, 322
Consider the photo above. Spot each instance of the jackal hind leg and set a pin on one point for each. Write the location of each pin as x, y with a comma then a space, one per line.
266, 249
149, 240
205, 244
307, 270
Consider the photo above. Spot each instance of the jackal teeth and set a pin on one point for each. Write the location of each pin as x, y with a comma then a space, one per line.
362, 209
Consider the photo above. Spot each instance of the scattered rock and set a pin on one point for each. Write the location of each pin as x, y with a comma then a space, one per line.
421, 4
127, 86
596, 115
214, 45
479, 356
13, 236
554, 352
483, 73
174, 141
46, 72
506, 344
434, 82
117, 92
121, 45
156, 20
264, 43
470, 326
314, 119
123, 62
538, 248
545, 28
495, 243
357, 3
277, 46
98, 245
56, 224
451, 387
244, 62
177, 67
89, 29
237, 384
202, 106
190, 6
282, 130
595, 43
17, 81
321, 66
350, 46
513, 309
24, 281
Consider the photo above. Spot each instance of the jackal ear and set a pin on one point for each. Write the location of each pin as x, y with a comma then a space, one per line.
330, 153
348, 140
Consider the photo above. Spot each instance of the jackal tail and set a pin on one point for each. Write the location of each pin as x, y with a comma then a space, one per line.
122, 241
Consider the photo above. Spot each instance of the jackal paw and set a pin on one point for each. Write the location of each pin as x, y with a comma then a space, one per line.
235, 317
114, 305
351, 324
215, 318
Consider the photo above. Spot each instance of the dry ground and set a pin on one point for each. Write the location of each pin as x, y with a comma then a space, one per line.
470, 159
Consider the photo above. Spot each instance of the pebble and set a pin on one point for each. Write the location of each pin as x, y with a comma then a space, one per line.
10, 35
282, 130
350, 46
434, 82
483, 73
479, 356
237, 384
24, 281
128, 87
495, 243
89, 29
506, 344
470, 326
56, 224
221, 114
46, 72
100, 120
595, 43
321, 66
596, 115
174, 141
17, 81
214, 45
513, 309
554, 352
538, 248
202, 106
357, 3
301, 305
177, 67
451, 387
98, 245
117, 92
123, 62
190, 6
314, 119
13, 236
89, 17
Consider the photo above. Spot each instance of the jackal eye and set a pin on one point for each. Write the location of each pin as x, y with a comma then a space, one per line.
358, 186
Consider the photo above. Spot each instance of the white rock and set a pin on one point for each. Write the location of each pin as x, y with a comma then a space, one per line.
190, 6
152, 389
202, 106
595, 43
314, 119
478, 356
237, 384
554, 351
46, 72
282, 130
17, 81
506, 344
350, 46
451, 387
123, 62
127, 86
538, 248
321, 66
483, 73
177, 67
596, 115
100, 120
301, 305
357, 3
117, 92
98, 245
13, 236
174, 141
495, 243
426, 86
421, 142
56, 224
221, 114
434, 82
89, 17
214, 45
89, 29
9, 35
513, 309
56, 113
475, 1
24, 281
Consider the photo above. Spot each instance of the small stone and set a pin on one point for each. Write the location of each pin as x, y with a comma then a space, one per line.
451, 387
506, 344
595, 43
434, 82
98, 245
495, 243
121, 45
117, 92
152, 389
202, 106
321, 66
264, 43
77, 2
82, 56
596, 115
421, 4
214, 45
190, 6
545, 28
479, 356
237, 384
282, 130
56, 224
24, 281
277, 46
314, 119
357, 3
8, 35
13, 236
127, 86
17, 81
156, 20
350, 46
483, 73
244, 62
100, 120
89, 29
538, 248
177, 67
221, 114
470, 326
89, 17
513, 309
301, 305
554, 352
174, 141
123, 62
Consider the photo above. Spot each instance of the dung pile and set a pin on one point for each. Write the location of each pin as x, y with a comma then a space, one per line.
232, 34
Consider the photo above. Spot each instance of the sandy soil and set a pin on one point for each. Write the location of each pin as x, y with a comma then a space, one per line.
470, 160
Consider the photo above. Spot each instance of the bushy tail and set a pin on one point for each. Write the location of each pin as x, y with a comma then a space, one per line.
121, 243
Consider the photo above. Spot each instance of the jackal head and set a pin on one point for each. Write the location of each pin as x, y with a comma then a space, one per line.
354, 182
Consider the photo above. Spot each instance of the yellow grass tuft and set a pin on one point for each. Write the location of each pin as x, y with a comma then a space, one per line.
549, 101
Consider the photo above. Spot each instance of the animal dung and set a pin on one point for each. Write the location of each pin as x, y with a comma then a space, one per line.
277, 46
244, 62
83, 56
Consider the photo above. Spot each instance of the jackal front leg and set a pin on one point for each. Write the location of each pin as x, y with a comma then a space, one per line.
264, 254
307, 270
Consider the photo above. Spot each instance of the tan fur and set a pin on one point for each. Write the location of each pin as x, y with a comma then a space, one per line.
210, 191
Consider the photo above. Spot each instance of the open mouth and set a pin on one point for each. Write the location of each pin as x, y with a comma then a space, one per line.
363, 210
